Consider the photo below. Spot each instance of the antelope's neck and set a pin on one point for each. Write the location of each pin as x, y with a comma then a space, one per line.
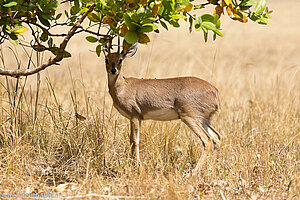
115, 84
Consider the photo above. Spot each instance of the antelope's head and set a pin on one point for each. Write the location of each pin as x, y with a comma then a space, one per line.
113, 61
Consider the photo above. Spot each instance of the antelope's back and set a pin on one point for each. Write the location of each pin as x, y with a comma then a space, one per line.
181, 94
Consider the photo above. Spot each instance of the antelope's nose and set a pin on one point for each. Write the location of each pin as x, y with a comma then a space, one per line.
113, 70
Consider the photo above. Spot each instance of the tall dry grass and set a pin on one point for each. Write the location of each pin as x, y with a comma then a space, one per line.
44, 147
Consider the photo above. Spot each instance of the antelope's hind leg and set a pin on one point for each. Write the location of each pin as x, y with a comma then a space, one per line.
205, 139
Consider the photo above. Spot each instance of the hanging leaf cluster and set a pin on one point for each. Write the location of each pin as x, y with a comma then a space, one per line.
132, 20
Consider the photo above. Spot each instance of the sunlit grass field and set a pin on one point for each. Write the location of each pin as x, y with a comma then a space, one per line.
45, 148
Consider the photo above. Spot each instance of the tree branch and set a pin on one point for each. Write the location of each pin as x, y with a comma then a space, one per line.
51, 61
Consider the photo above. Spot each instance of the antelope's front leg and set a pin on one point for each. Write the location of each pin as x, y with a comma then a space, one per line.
135, 126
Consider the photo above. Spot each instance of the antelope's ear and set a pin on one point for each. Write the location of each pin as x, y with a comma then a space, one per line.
130, 51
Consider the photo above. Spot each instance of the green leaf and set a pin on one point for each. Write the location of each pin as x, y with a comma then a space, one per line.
131, 37
19, 29
163, 24
169, 5
260, 19
76, 3
197, 25
196, 7
260, 7
161, 10
13, 39
50, 42
39, 7
46, 16
208, 22
136, 24
135, 18
235, 3
248, 3
216, 20
143, 38
218, 24
191, 24
98, 50
73, 18
55, 50
208, 25
178, 16
93, 17
10, 4
66, 13
39, 48
74, 10
44, 37
182, 3
218, 32
91, 39
205, 35
207, 18
44, 21
174, 23
66, 54
140, 11
103, 41
148, 27
58, 16
128, 21
83, 10
148, 20
268, 11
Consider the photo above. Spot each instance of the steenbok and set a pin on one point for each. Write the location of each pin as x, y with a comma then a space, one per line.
190, 99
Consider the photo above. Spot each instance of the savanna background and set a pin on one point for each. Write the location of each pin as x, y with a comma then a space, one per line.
45, 148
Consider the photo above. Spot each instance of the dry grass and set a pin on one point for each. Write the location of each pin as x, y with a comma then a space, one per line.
256, 68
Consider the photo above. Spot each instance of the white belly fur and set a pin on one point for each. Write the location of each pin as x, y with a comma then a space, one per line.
165, 114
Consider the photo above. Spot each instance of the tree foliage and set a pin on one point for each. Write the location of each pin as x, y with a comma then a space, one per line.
132, 20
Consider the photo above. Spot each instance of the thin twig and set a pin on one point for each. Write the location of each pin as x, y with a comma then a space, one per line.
191, 16
66, 1
91, 32
46, 30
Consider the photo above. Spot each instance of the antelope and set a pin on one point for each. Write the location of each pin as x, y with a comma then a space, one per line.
190, 99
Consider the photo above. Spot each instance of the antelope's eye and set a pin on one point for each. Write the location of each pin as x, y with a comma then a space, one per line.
106, 61
120, 61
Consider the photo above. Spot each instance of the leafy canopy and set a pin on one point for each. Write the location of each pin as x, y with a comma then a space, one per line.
129, 19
